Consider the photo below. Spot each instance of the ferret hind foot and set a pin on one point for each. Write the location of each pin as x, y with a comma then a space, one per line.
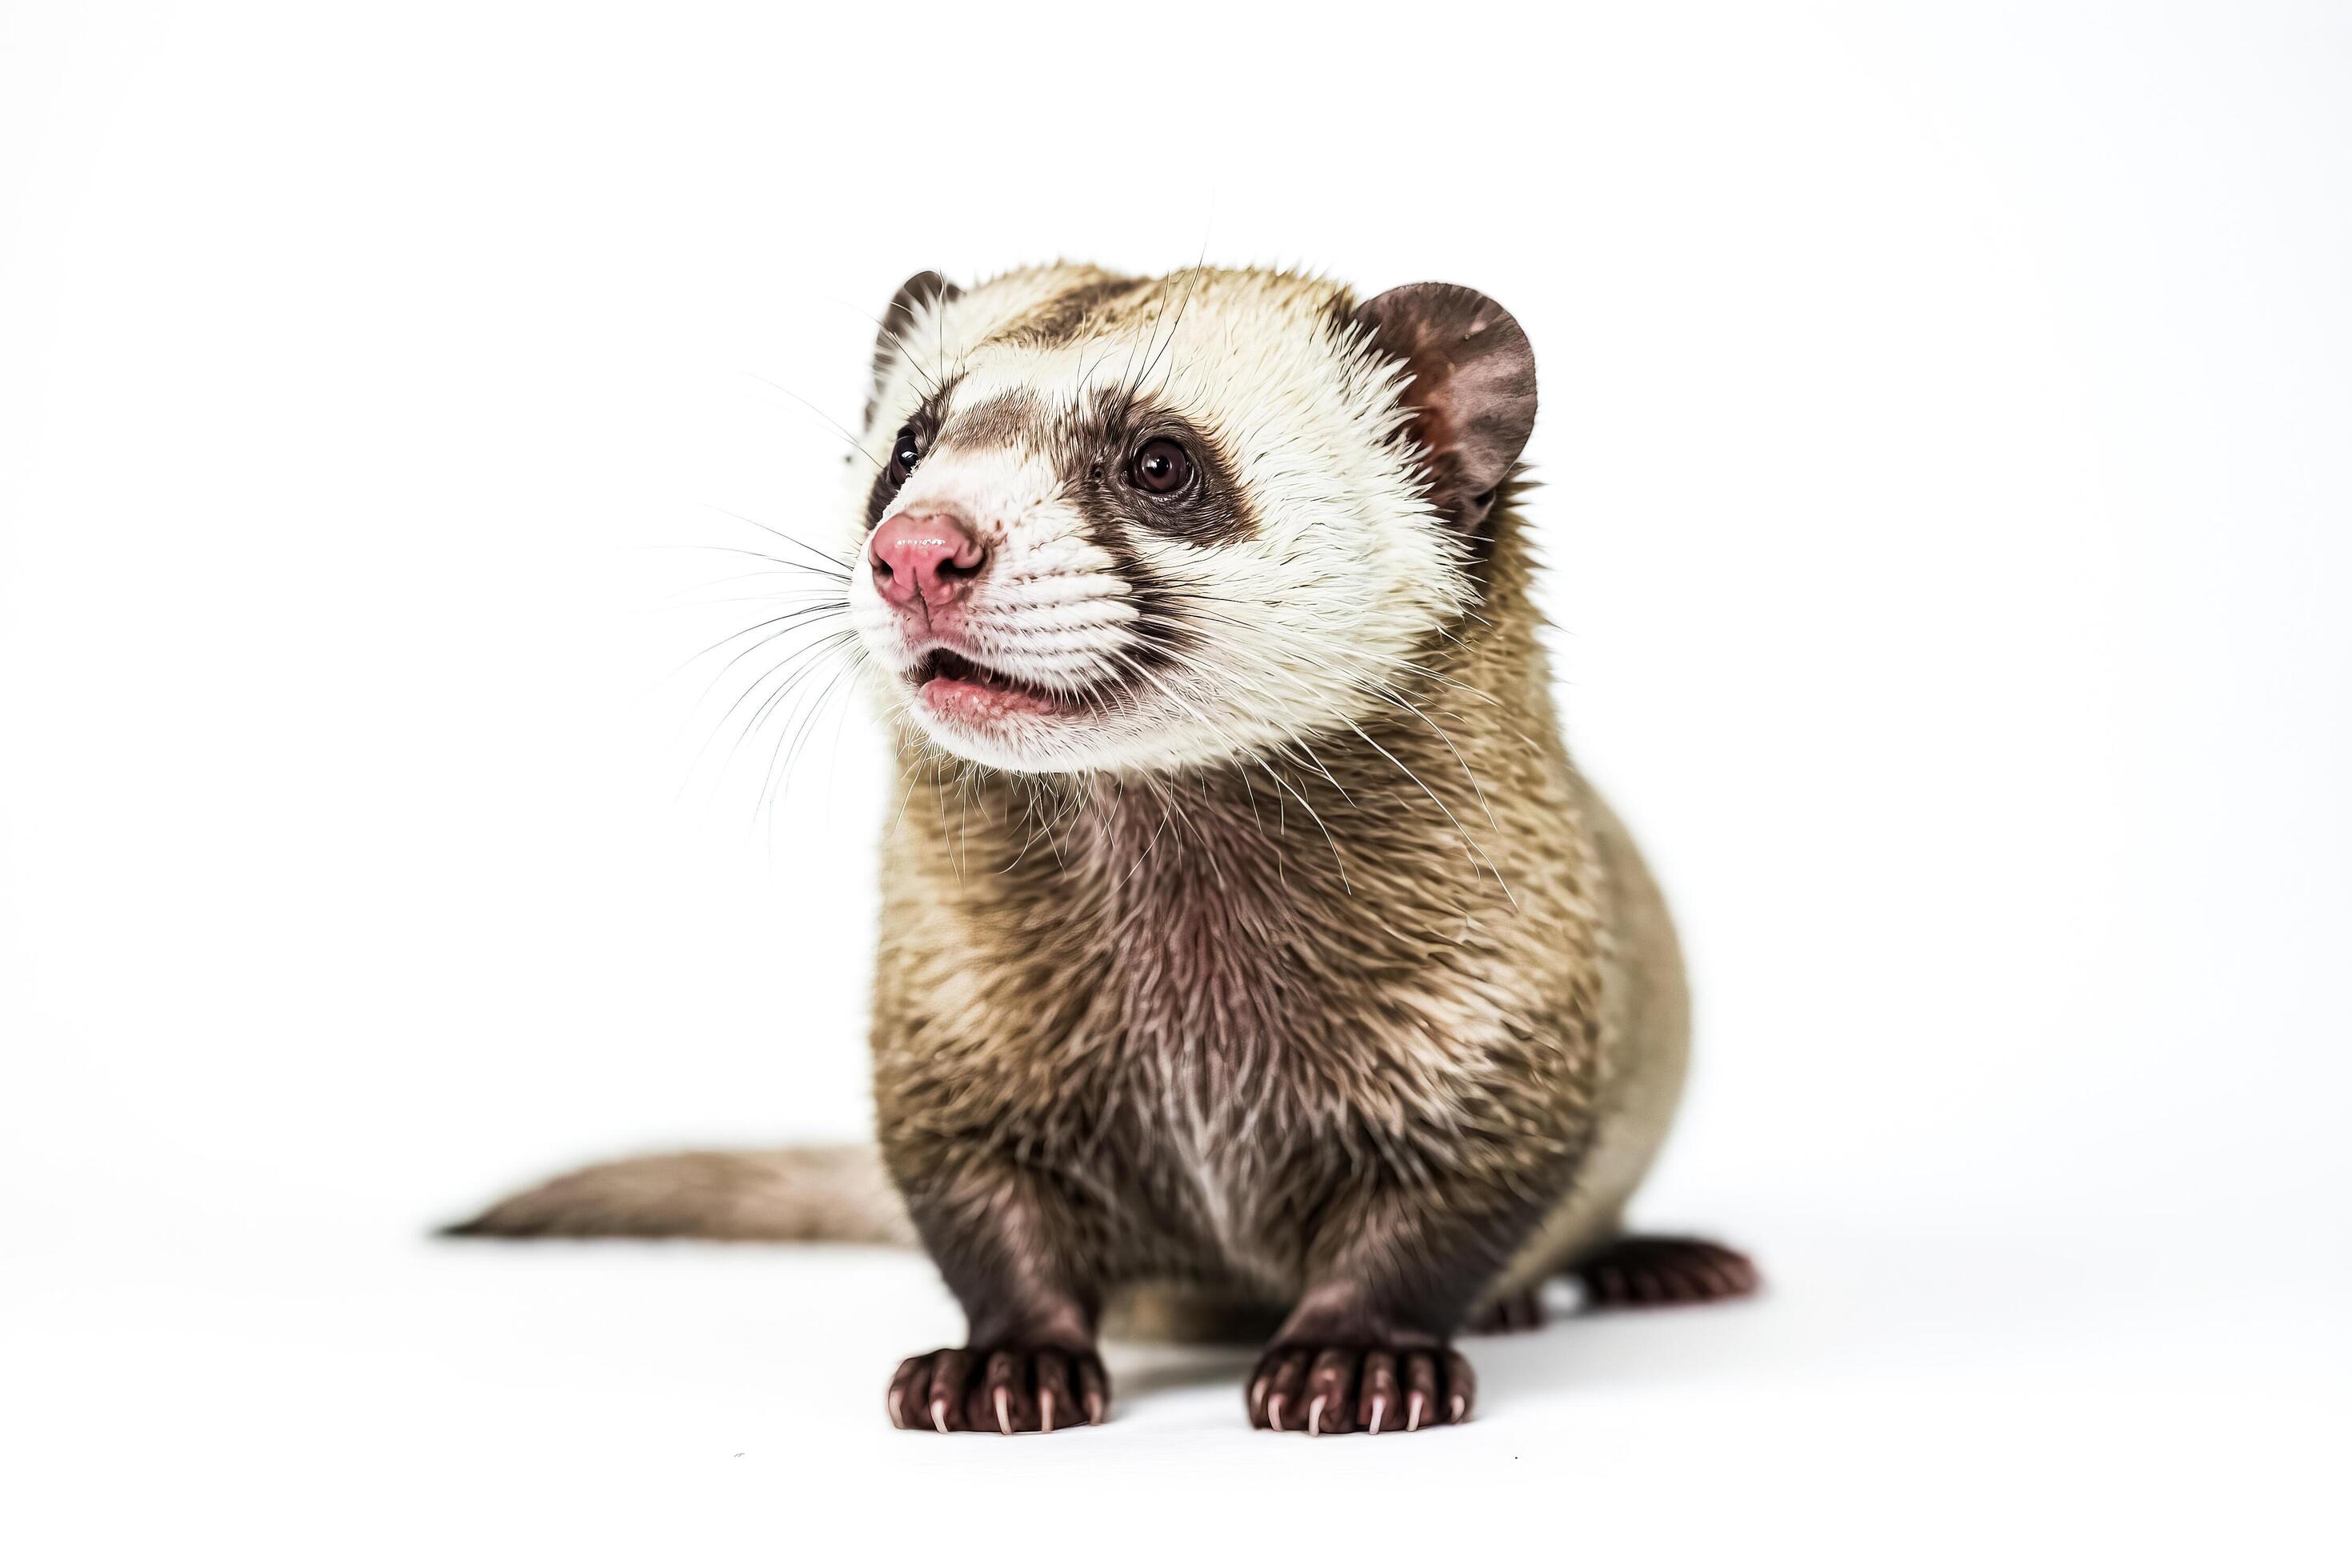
1324, 1390
1512, 1314
1000, 1388
1665, 1271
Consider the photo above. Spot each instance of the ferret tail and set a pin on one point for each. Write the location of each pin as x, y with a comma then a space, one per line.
838, 1193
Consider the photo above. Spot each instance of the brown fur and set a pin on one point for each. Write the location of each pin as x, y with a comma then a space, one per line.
1372, 1033
1204, 1018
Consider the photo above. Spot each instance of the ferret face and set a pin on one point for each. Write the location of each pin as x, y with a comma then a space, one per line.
1150, 524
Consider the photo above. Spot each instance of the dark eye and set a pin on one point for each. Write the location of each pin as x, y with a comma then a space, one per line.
906, 451
1160, 466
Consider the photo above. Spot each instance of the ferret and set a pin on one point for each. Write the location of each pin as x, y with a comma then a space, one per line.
1266, 966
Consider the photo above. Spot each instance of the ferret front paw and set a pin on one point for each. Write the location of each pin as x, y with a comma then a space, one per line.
1000, 1388
1320, 1390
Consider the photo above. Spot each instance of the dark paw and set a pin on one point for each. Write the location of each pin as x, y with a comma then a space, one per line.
1510, 1314
1665, 1271
1319, 1390
1000, 1388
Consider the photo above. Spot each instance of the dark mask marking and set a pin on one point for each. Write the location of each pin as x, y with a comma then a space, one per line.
925, 422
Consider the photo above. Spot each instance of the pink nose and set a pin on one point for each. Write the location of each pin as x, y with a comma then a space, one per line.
923, 562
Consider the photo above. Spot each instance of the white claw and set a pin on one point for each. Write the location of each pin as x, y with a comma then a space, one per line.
1378, 1406
1003, 1414
1461, 1409
1315, 1417
1413, 1413
940, 1414
1273, 1413
898, 1415
1044, 1410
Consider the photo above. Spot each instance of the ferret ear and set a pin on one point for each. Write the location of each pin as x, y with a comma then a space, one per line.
1472, 392
924, 289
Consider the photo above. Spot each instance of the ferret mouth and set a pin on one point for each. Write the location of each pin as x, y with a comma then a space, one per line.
953, 686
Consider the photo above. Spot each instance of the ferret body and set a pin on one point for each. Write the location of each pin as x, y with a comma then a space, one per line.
1251, 951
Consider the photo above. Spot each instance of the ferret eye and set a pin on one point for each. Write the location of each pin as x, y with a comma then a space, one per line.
906, 451
1160, 466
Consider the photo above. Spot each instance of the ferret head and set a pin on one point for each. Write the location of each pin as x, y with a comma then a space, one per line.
1116, 523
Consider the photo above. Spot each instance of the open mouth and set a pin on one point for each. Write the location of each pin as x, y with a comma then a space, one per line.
952, 686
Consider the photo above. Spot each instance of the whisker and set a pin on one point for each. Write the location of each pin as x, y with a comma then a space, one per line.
841, 575
843, 563
840, 430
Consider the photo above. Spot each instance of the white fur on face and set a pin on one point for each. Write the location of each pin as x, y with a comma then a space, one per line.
1281, 636
1051, 609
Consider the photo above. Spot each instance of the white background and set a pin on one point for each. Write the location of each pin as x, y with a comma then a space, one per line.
1947, 440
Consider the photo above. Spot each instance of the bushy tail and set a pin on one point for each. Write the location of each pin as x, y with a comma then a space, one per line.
780, 1195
